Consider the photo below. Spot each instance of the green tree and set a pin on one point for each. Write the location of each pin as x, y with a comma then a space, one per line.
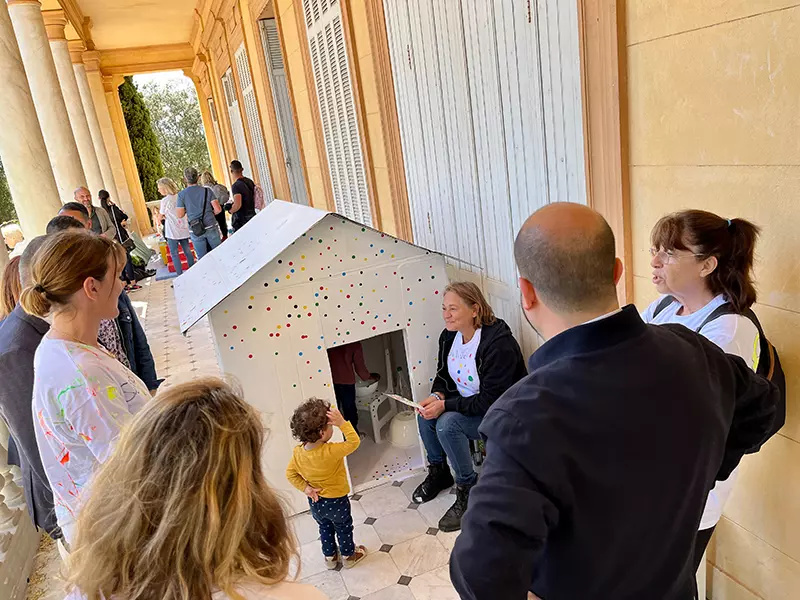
143, 139
176, 119
7, 211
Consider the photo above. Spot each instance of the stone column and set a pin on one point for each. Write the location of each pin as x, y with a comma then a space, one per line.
26, 15
22, 147
76, 50
55, 21
91, 62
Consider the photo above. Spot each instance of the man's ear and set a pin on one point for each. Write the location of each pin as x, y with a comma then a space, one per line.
528, 293
619, 269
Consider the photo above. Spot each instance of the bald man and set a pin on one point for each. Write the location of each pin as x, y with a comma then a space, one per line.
599, 462
100, 221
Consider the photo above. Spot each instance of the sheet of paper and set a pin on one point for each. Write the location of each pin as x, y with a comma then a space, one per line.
406, 401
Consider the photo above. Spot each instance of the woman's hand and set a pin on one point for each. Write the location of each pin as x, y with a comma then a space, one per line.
432, 407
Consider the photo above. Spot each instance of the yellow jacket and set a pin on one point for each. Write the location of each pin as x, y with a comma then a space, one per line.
323, 467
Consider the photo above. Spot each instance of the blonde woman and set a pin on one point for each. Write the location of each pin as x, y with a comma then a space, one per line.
181, 510
479, 359
176, 229
223, 195
82, 395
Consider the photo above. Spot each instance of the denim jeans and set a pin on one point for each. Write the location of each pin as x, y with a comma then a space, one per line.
449, 435
334, 517
176, 259
203, 244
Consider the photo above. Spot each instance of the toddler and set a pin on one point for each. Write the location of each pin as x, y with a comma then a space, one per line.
317, 469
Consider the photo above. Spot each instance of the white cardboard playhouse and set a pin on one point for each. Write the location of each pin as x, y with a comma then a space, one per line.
297, 281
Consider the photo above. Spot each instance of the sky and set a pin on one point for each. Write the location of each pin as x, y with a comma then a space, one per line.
173, 77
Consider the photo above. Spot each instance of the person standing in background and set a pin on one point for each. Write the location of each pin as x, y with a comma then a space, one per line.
243, 192
176, 229
221, 192
700, 263
10, 289
99, 220
120, 220
346, 361
199, 205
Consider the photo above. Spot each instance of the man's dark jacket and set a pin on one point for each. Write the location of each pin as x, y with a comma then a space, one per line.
600, 461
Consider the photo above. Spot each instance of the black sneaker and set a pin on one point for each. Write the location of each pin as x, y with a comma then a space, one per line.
439, 479
451, 521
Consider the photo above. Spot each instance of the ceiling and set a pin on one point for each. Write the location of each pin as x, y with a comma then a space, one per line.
132, 23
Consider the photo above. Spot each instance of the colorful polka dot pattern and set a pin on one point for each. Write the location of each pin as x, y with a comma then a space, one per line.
336, 284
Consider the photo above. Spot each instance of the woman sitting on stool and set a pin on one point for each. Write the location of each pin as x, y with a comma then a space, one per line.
479, 359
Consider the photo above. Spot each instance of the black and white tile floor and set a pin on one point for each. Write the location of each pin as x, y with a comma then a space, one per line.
408, 555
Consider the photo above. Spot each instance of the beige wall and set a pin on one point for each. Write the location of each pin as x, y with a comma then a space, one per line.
713, 92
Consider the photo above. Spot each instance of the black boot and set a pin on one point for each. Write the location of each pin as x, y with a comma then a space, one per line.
439, 479
451, 521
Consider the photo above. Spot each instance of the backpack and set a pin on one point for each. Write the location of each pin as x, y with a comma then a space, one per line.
769, 365
258, 198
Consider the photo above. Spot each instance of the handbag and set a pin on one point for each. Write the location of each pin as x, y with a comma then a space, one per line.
128, 244
198, 225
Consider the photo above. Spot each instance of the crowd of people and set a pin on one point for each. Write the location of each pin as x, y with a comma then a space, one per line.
608, 459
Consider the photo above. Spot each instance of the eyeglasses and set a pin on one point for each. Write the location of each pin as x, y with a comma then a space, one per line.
668, 257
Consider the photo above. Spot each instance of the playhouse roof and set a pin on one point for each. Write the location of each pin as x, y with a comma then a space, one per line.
244, 254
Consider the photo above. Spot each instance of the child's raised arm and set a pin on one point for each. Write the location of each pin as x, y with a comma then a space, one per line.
352, 440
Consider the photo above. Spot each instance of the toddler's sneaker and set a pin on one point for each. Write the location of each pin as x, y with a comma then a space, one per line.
332, 561
351, 561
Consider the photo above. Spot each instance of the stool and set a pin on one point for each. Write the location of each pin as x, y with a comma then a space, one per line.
380, 409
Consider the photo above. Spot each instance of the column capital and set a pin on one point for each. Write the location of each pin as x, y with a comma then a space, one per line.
112, 82
76, 49
91, 58
54, 22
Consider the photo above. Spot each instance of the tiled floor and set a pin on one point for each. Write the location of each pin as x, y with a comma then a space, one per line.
408, 555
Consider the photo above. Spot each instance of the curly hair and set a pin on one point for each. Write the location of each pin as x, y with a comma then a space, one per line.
309, 419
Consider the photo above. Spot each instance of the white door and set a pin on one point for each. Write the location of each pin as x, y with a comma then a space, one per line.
488, 98
237, 129
212, 107
254, 123
337, 108
283, 107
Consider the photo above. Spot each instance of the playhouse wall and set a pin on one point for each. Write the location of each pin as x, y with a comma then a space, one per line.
337, 284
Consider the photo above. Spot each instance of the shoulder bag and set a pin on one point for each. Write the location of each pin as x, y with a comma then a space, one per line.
198, 225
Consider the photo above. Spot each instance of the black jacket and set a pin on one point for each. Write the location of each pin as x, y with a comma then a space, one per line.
136, 347
500, 365
600, 461
20, 334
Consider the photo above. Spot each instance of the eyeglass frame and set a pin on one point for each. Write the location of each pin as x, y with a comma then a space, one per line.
669, 258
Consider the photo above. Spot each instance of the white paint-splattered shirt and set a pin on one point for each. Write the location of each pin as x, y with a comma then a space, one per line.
461, 364
82, 396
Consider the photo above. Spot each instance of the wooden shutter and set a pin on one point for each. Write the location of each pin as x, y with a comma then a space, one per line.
337, 109
237, 129
212, 108
276, 70
253, 121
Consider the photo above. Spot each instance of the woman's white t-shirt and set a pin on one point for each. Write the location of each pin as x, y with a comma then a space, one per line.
461, 364
174, 228
257, 591
736, 335
82, 396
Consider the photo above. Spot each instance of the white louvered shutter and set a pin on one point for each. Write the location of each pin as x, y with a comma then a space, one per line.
253, 122
276, 70
337, 108
236, 121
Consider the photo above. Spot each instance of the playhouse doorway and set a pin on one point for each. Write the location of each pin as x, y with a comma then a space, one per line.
390, 445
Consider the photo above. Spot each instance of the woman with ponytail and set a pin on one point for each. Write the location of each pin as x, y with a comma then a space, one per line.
82, 395
702, 261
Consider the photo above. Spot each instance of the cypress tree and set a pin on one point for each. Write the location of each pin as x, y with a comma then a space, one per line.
7, 211
143, 139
